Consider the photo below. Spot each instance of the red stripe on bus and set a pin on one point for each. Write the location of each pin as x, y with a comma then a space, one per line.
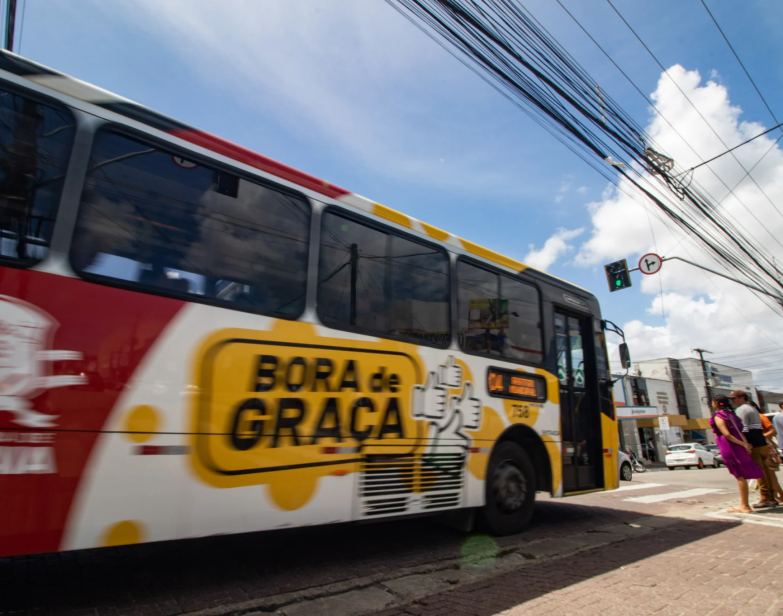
111, 330
248, 157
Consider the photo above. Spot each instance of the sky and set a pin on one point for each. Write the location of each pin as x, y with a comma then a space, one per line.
352, 92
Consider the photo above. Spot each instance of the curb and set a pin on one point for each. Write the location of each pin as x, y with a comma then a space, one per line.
381, 591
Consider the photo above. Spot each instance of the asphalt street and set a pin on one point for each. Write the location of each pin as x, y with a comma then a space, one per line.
704, 478
655, 523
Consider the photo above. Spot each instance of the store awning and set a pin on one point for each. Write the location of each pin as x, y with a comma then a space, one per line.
698, 424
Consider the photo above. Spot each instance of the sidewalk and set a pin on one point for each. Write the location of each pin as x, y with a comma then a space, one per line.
690, 568
655, 466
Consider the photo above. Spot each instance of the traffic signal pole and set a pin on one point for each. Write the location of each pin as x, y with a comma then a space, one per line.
778, 296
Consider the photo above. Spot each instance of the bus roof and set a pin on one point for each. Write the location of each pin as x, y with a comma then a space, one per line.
83, 91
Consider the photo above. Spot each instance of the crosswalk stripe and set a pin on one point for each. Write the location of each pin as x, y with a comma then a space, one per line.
745, 518
657, 498
639, 486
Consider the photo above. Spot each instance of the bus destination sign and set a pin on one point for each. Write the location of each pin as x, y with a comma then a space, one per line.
514, 384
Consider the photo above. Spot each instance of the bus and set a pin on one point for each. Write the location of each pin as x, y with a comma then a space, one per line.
196, 339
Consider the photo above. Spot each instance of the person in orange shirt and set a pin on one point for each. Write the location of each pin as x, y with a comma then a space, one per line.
769, 432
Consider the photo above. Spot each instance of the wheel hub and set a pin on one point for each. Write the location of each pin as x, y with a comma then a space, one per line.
509, 487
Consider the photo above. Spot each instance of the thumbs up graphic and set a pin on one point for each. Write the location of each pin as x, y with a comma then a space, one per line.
450, 374
429, 400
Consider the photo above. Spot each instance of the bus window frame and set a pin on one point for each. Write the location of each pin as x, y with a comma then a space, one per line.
70, 168
517, 276
384, 228
191, 155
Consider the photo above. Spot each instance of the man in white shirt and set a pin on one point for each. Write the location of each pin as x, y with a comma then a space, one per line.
777, 421
754, 433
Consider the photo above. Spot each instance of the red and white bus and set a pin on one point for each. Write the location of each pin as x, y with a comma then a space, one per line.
196, 339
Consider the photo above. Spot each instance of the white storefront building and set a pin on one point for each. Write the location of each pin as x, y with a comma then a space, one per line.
640, 403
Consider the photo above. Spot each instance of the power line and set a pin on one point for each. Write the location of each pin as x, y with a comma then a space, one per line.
21, 27
688, 99
747, 174
504, 44
736, 55
769, 130
660, 114
720, 179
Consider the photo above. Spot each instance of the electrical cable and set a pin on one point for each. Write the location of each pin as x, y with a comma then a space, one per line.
504, 44
769, 130
21, 27
689, 100
741, 63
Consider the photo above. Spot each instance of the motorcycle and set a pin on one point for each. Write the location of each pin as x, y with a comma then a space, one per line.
638, 467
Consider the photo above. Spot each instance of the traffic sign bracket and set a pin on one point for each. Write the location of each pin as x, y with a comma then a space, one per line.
777, 296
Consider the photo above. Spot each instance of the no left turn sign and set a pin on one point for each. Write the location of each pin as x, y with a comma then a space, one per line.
650, 264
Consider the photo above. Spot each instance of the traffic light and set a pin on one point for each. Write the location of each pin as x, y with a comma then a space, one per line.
618, 276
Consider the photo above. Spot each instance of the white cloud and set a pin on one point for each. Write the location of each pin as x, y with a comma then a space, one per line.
582, 190
702, 310
552, 250
354, 73
565, 186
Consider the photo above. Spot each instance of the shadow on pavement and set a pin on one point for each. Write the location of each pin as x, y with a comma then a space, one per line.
508, 590
170, 578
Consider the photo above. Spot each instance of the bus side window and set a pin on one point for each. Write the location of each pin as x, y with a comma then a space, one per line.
156, 221
35, 142
498, 315
378, 282
524, 318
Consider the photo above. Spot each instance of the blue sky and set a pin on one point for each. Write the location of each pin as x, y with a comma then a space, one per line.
350, 91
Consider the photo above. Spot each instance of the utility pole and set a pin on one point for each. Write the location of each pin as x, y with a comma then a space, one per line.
354, 270
10, 25
701, 353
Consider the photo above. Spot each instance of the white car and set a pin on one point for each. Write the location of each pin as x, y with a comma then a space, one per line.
689, 454
624, 466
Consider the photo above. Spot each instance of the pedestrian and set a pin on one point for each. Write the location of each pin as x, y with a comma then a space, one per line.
734, 449
650, 451
752, 430
773, 461
777, 421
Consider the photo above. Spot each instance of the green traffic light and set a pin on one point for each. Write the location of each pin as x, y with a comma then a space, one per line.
617, 276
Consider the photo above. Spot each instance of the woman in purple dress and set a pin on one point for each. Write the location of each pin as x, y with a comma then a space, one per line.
734, 449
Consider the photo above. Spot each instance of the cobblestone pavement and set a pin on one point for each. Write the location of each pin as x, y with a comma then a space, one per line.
352, 569
692, 568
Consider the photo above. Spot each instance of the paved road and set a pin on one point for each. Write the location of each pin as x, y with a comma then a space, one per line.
705, 478
418, 567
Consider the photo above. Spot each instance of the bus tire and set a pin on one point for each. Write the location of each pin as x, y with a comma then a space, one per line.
509, 490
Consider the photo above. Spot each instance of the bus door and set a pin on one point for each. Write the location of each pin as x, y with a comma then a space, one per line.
579, 421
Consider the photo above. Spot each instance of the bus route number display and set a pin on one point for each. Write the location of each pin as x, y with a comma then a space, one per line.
517, 385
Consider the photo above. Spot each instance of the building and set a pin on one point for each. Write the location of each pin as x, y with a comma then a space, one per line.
640, 403
769, 400
690, 390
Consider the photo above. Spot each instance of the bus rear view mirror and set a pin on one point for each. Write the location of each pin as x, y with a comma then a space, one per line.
625, 355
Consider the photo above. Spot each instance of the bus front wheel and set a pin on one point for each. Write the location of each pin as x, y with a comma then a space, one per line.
510, 490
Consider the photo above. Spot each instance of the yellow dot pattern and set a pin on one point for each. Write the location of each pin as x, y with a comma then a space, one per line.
142, 422
127, 532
